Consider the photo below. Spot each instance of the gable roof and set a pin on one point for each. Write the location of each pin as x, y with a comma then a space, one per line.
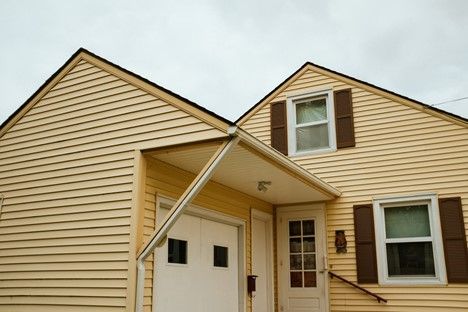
83, 54
351, 80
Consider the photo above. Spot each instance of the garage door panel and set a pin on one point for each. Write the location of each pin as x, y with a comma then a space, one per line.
222, 280
199, 285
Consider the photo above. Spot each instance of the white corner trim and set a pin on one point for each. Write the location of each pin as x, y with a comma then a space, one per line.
429, 198
1, 204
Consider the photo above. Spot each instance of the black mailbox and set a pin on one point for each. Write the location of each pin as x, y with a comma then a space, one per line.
251, 283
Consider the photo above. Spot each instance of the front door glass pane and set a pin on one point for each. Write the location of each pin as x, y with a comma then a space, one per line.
302, 254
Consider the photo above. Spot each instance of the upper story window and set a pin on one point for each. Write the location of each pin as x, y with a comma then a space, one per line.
311, 123
409, 245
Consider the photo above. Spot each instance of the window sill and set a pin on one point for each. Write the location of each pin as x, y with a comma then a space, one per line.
313, 152
412, 282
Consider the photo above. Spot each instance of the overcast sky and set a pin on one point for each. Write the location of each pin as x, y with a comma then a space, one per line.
226, 55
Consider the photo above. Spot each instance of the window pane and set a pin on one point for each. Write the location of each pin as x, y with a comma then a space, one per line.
220, 256
308, 227
295, 245
309, 244
309, 262
408, 221
312, 137
296, 279
410, 259
311, 110
295, 262
310, 279
294, 228
177, 251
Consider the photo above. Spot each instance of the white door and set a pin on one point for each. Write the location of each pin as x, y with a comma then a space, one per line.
262, 264
301, 262
197, 267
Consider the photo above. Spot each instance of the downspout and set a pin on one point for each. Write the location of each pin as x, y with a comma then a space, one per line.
190, 193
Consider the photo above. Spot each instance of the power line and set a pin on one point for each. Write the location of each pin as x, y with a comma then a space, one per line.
450, 101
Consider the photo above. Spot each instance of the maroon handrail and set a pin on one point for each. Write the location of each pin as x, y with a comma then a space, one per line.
358, 287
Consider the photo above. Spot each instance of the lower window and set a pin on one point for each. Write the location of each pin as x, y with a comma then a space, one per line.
408, 241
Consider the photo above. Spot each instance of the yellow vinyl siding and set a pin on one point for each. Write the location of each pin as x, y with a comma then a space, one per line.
66, 171
399, 150
169, 181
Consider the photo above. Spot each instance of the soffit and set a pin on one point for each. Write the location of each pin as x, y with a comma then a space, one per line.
241, 170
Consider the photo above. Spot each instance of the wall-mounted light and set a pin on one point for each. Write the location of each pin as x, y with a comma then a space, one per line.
262, 185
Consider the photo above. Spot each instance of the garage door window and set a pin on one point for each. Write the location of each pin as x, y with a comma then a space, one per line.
177, 251
220, 256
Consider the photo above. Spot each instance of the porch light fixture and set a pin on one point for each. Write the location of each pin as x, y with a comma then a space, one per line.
262, 186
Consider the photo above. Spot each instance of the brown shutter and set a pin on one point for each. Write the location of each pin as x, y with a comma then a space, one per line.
453, 235
279, 128
344, 118
365, 244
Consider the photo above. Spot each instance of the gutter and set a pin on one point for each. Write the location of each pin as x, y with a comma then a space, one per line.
182, 203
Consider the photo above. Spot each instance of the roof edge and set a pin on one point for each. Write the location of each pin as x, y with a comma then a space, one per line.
41, 88
240, 120
75, 56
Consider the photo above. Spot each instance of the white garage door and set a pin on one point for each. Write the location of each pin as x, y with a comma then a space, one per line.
197, 267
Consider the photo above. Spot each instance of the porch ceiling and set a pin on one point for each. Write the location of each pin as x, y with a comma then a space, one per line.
243, 168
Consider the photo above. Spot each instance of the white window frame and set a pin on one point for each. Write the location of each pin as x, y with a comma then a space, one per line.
379, 204
291, 101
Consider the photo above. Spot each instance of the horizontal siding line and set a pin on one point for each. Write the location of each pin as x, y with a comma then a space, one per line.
122, 187
95, 288
60, 184
387, 174
71, 202
105, 248
6, 225
121, 169
121, 103
70, 78
91, 115
80, 67
84, 77
420, 129
143, 143
120, 238
66, 233
361, 189
42, 295
37, 218
79, 73
106, 86
82, 81
64, 210
51, 167
410, 164
397, 119
66, 238
361, 153
45, 110
376, 125
133, 122
371, 113
22, 231
89, 140
57, 269
389, 160
71, 257
78, 88
87, 105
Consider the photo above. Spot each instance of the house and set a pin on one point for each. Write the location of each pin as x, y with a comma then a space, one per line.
330, 194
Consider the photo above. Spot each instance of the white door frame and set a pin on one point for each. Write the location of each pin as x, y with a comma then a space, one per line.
268, 219
209, 214
321, 207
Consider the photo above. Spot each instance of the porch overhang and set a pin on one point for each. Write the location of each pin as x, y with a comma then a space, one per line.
249, 163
